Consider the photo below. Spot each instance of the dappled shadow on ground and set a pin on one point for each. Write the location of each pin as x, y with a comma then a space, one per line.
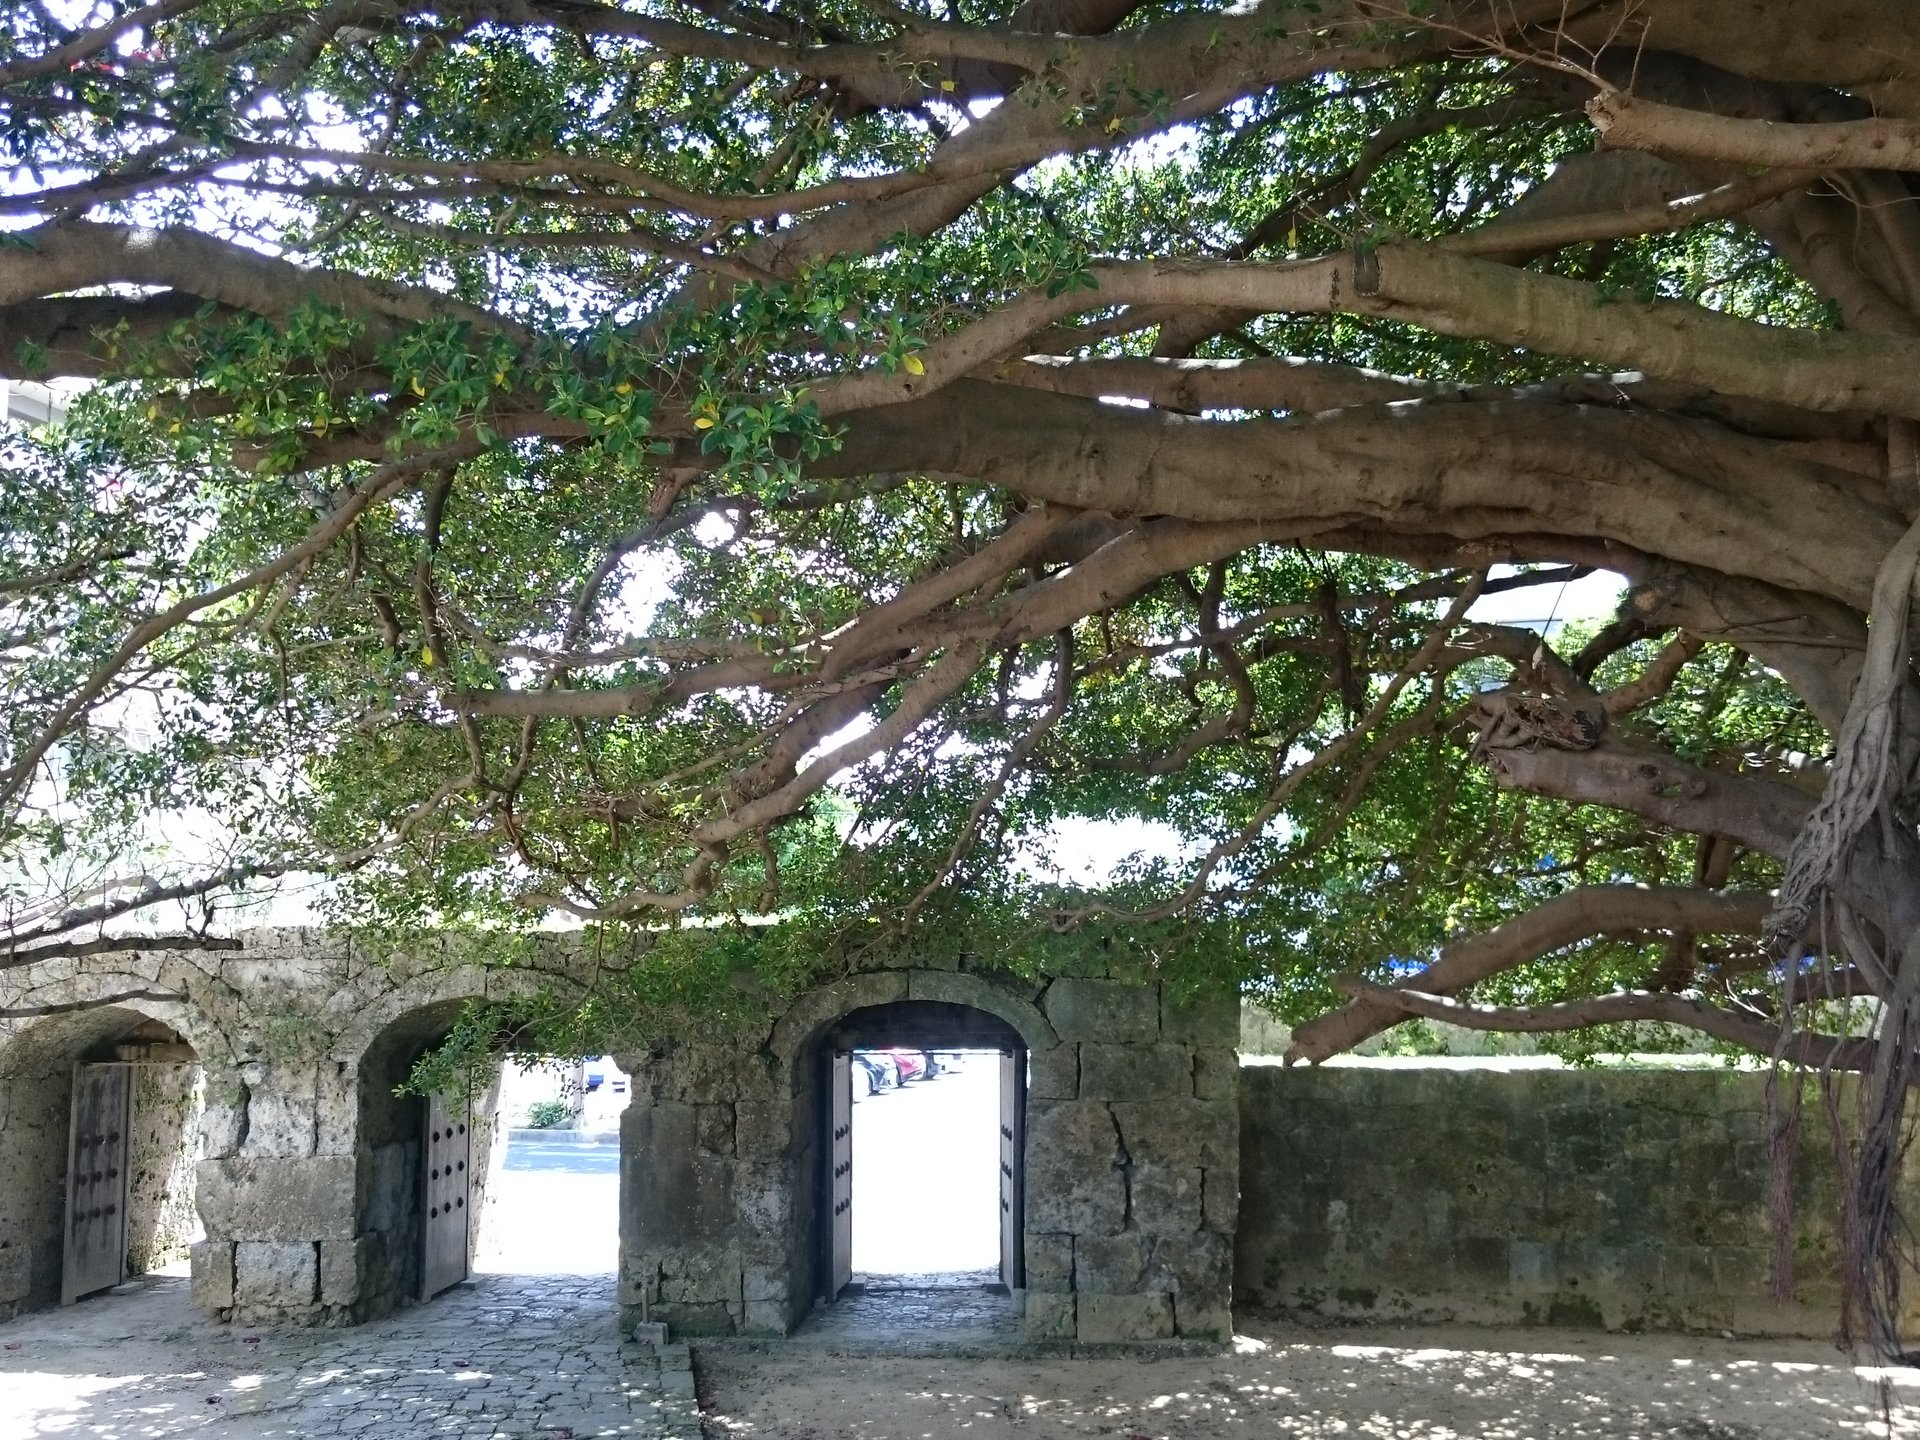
1430, 1384
503, 1356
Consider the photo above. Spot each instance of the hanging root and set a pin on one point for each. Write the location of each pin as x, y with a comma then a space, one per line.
1861, 808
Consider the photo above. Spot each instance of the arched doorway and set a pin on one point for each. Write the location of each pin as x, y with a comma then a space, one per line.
418, 1167
1122, 1156
101, 1134
464, 1183
872, 1067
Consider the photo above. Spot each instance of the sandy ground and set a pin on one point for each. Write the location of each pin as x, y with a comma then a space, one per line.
1435, 1384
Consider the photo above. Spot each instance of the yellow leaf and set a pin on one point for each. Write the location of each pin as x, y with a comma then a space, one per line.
427, 654
415, 386
915, 365
623, 388
1113, 124
946, 85
500, 378
703, 423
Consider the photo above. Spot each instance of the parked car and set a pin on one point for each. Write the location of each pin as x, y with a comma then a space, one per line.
913, 1064
877, 1068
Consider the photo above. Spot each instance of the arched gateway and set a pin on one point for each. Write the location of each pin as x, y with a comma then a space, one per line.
1120, 1172
100, 1114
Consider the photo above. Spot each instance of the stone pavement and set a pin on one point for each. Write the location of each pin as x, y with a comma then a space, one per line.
944, 1314
503, 1357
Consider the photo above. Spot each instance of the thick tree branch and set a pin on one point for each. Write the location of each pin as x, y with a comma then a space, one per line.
1810, 1050
1629, 122
69, 1007
1551, 925
1761, 814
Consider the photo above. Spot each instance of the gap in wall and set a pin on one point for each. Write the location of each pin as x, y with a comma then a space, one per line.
553, 1204
926, 1167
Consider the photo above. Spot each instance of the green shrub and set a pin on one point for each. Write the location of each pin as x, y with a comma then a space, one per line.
547, 1114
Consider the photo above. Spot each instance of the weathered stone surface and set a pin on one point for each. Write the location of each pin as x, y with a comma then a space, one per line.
982, 994
1110, 1264
312, 1161
211, 1265
715, 1127
817, 1008
272, 1274
282, 1109
1166, 1198
763, 1126
697, 1320
286, 1198
1054, 1074
1220, 1199
689, 1277
1216, 1075
166, 1122
1050, 1316
1199, 1265
1108, 1318
1135, 1072
763, 1282
672, 1193
16, 1273
763, 1198
1179, 1132
223, 1124
336, 1108
1049, 1261
1074, 1181
1107, 1010
765, 1317
1205, 1020
341, 1263
1544, 1196
1199, 1320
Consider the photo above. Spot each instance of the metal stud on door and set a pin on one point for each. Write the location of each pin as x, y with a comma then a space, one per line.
841, 1156
447, 1184
98, 1143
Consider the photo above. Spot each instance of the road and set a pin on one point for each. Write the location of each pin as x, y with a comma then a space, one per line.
554, 1210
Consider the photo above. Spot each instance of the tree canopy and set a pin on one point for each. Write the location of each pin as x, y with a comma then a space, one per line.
673, 461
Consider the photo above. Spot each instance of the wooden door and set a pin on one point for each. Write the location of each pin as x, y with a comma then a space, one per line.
447, 1185
98, 1143
1013, 1085
840, 1156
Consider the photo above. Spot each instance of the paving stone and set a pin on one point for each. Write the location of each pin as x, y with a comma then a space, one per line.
504, 1358
931, 1316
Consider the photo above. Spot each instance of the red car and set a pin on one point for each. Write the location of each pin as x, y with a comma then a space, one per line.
913, 1064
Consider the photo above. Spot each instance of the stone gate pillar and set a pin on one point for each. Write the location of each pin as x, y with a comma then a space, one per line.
276, 1192
1133, 1165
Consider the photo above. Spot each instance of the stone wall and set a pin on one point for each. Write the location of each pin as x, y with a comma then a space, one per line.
280, 1022
162, 1223
1131, 1180
1621, 1198
1611, 1197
